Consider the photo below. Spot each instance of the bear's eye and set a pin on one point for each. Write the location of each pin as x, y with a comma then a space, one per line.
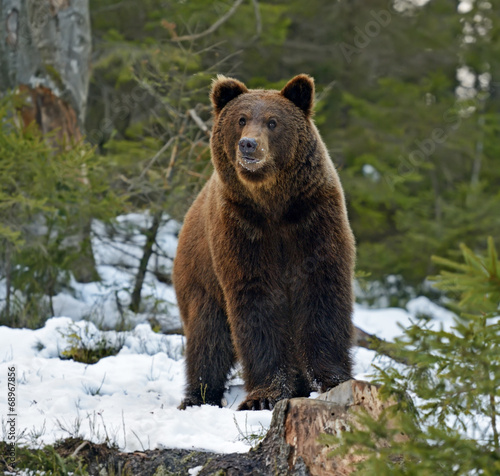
271, 124
243, 121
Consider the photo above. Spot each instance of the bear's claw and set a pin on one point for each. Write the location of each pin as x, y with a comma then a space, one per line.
257, 404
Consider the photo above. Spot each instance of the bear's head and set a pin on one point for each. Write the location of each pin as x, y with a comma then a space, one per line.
259, 134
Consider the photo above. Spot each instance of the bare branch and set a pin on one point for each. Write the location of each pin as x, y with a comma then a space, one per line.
173, 155
325, 91
214, 27
155, 157
258, 21
372, 342
199, 121
216, 65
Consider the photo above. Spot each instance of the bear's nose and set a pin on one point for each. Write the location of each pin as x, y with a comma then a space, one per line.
247, 145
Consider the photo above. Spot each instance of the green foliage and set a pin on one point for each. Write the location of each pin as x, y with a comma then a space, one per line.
452, 376
173, 173
160, 160
477, 281
416, 150
46, 461
417, 163
47, 198
424, 145
411, 196
83, 347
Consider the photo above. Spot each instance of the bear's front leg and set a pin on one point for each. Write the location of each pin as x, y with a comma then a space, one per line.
261, 332
323, 306
247, 265
209, 349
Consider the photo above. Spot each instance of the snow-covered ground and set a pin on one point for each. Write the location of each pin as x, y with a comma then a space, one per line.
130, 399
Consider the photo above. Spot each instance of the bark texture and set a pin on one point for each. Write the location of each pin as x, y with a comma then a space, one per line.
45, 48
291, 446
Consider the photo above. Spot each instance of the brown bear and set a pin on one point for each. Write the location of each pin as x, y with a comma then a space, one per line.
264, 266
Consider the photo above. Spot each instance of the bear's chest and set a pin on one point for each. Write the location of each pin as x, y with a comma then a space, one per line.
286, 254
278, 246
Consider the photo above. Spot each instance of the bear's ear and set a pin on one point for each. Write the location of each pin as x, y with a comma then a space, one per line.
300, 90
224, 90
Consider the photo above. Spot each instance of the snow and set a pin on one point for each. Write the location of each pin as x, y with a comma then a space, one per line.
195, 471
117, 252
130, 399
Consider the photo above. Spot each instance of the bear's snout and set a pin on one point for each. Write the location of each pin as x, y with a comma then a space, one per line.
247, 145
252, 155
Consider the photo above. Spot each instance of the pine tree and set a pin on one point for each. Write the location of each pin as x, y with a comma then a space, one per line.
448, 394
46, 196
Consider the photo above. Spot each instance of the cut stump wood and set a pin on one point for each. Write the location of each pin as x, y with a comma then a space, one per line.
291, 446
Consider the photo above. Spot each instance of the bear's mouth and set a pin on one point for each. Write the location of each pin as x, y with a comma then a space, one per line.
248, 162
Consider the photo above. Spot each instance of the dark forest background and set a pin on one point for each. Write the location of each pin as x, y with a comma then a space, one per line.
408, 103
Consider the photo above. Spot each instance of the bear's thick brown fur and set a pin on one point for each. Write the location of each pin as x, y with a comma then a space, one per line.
264, 266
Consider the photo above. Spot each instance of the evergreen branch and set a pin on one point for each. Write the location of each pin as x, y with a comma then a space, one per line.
472, 260
492, 253
449, 264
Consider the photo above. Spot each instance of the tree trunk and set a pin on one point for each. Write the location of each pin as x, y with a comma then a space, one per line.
8, 276
143, 264
45, 48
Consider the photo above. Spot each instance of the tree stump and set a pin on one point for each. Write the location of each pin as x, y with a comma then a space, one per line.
291, 446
